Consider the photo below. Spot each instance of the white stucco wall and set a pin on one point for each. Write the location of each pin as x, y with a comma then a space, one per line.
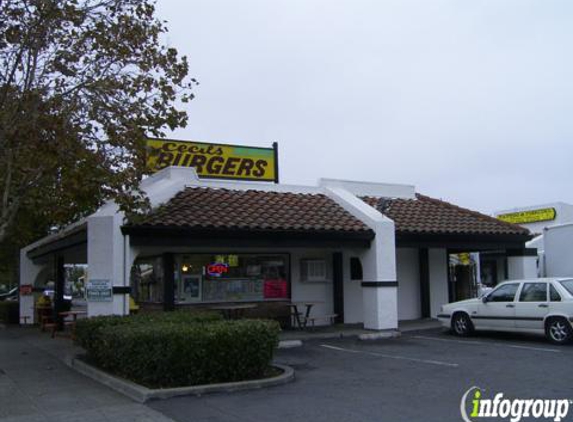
438, 279
353, 313
559, 251
407, 266
521, 267
312, 291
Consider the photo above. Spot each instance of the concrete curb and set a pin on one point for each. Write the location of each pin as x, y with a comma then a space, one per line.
289, 344
374, 335
379, 335
143, 394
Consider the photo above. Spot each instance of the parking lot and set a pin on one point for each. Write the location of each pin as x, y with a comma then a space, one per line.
421, 376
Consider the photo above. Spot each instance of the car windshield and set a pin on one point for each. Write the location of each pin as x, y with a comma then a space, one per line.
568, 284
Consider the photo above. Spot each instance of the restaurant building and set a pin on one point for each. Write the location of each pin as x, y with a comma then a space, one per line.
369, 253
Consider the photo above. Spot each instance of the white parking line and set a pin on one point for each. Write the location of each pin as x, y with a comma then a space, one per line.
383, 355
488, 343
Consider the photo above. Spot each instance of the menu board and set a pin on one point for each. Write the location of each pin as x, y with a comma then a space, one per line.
232, 289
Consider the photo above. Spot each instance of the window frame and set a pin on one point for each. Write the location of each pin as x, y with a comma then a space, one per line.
522, 290
553, 288
515, 295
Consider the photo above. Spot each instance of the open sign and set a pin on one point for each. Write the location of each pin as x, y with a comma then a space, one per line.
216, 269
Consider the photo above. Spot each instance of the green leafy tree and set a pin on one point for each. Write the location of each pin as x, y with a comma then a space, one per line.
82, 82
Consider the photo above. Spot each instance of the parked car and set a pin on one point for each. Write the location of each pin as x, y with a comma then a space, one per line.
10, 294
537, 306
52, 294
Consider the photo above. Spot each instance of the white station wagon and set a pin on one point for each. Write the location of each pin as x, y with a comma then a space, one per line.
537, 306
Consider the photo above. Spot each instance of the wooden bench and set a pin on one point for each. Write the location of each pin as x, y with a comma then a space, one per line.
313, 319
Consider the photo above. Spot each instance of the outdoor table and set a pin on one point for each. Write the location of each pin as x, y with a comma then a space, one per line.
233, 311
73, 314
72, 323
301, 323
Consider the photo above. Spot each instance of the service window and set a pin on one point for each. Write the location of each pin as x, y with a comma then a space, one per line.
533, 292
505, 293
231, 277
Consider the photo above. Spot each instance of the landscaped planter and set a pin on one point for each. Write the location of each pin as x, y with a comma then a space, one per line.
143, 394
179, 349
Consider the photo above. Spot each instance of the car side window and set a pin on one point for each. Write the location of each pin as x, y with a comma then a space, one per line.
554, 295
505, 293
533, 292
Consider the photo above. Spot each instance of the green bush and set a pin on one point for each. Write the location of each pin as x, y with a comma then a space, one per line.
172, 349
9, 312
88, 330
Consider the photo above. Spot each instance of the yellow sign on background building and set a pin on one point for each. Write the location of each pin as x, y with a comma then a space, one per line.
217, 161
531, 216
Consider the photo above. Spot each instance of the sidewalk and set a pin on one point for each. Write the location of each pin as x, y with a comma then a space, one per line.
353, 330
37, 386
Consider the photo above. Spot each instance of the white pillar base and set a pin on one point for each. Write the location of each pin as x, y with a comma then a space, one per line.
380, 305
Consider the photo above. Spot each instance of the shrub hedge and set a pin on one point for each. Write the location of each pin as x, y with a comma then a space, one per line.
178, 348
88, 331
9, 312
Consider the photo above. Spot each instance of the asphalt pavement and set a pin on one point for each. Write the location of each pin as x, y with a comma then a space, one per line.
421, 376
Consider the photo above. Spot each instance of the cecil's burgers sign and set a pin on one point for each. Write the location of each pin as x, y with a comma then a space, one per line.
216, 161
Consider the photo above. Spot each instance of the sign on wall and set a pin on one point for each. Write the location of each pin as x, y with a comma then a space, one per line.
531, 216
99, 290
215, 161
26, 289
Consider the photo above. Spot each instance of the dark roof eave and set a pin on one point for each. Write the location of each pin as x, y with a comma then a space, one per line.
176, 231
467, 241
522, 235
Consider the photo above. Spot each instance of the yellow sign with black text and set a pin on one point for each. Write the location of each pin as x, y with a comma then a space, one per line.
532, 216
216, 161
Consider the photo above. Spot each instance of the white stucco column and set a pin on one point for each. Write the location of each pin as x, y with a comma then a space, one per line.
519, 267
438, 268
106, 256
379, 285
28, 275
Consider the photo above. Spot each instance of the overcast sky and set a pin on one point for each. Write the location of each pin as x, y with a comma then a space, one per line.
471, 101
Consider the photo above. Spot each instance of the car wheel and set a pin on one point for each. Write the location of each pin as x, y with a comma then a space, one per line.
462, 325
558, 331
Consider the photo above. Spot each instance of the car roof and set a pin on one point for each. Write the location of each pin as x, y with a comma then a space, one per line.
537, 280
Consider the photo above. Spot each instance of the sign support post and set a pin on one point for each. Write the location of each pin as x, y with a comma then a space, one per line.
276, 151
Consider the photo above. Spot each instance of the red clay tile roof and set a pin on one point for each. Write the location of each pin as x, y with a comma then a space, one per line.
425, 215
225, 209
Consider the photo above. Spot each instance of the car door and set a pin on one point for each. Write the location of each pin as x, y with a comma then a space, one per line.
532, 306
497, 310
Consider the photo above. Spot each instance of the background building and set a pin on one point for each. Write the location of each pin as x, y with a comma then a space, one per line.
538, 219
